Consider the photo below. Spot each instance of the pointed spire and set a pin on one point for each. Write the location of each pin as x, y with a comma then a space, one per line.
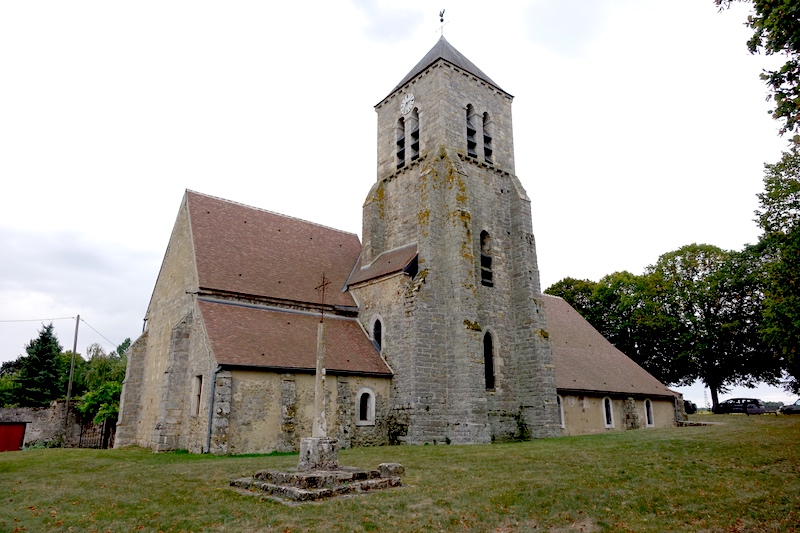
444, 50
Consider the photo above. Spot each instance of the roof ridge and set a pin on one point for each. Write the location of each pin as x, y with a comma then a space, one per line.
385, 252
271, 212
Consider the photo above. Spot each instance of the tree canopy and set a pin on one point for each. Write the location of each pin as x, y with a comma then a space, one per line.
779, 217
776, 30
692, 315
39, 377
42, 375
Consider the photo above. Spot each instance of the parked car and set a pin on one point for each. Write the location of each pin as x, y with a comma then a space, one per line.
690, 407
749, 406
790, 409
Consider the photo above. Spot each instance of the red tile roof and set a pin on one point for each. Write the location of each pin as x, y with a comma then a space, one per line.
242, 335
584, 360
386, 263
246, 250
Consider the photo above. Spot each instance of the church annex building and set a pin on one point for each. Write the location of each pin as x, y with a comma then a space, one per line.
436, 330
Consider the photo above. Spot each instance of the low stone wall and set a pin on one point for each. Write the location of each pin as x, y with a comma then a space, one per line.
45, 424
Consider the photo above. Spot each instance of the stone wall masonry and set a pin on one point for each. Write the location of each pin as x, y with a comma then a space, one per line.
288, 439
220, 421
265, 411
130, 407
168, 434
46, 424
630, 415
345, 409
583, 414
168, 305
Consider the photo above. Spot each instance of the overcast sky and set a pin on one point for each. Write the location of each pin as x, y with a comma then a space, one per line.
639, 126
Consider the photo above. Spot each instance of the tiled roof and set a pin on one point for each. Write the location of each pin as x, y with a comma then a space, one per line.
584, 360
386, 263
273, 338
251, 251
444, 50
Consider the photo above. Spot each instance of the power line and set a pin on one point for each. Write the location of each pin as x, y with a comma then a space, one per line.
90, 326
112, 343
42, 320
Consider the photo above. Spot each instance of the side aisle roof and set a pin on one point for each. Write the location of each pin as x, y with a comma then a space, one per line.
586, 361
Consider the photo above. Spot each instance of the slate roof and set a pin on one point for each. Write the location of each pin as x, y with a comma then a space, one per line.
252, 251
385, 264
444, 50
585, 361
271, 338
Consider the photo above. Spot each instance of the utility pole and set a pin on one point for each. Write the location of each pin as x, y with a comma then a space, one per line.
69, 385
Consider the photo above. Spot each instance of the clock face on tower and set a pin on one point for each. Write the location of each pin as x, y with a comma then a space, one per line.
407, 104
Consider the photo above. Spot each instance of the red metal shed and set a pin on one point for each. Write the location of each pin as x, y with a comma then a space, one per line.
12, 436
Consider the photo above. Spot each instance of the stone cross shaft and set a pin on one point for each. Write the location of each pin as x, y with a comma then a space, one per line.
320, 428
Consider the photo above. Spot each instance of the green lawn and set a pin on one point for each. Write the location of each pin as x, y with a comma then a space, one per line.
740, 474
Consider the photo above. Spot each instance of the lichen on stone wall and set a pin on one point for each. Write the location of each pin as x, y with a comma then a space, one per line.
380, 199
543, 333
415, 284
474, 326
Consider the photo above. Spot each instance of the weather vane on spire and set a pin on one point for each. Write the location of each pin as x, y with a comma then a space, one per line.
441, 20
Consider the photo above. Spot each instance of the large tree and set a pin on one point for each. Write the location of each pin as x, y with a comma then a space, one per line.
40, 375
713, 298
779, 217
103, 377
695, 314
776, 30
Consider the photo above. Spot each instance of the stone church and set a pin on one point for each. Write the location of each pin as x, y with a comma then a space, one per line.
436, 330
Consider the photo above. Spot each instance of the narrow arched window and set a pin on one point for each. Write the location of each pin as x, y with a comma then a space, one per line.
560, 411
377, 334
413, 127
487, 138
488, 360
608, 414
486, 260
365, 401
363, 408
401, 143
472, 143
648, 413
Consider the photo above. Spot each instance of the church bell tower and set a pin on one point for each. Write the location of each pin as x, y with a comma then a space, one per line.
447, 283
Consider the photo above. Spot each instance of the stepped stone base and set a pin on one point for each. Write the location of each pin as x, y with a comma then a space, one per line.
319, 484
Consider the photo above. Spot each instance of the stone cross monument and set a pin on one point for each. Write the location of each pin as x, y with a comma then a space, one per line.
319, 452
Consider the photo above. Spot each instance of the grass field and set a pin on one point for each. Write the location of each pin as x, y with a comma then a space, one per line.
740, 474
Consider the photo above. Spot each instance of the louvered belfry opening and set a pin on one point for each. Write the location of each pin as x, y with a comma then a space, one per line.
472, 143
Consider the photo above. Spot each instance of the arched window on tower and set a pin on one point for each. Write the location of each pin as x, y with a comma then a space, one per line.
413, 127
486, 260
488, 360
487, 138
472, 144
377, 334
401, 143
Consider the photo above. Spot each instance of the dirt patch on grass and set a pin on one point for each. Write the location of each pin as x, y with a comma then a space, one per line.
585, 525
